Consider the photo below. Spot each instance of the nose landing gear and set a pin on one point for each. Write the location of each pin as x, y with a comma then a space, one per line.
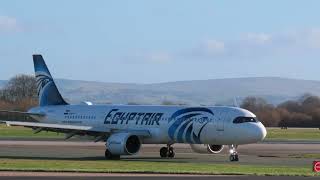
167, 152
233, 153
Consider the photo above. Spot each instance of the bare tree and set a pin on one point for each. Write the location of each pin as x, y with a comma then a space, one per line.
304, 112
19, 88
255, 104
20, 92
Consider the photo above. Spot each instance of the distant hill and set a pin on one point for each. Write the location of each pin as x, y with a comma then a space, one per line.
206, 92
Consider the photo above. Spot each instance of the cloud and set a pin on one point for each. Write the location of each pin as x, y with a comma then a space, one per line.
214, 47
258, 38
150, 57
248, 46
158, 57
261, 45
8, 24
313, 38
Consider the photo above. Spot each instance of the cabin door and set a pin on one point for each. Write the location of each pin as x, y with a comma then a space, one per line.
220, 121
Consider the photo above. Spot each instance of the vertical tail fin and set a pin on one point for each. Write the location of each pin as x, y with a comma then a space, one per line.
47, 90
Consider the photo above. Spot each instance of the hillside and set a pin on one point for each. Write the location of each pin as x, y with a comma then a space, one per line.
206, 92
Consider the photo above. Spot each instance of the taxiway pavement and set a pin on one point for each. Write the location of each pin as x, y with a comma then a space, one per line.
260, 154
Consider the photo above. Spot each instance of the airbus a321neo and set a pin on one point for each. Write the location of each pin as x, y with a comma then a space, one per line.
125, 127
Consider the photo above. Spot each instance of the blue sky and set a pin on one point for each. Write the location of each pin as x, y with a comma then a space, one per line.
145, 41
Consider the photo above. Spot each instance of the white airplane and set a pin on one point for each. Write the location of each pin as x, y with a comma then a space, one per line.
125, 127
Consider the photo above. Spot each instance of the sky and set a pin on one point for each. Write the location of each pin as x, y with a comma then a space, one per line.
145, 41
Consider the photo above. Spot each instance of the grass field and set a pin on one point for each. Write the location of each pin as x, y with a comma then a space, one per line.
305, 155
156, 167
273, 133
293, 134
124, 166
22, 132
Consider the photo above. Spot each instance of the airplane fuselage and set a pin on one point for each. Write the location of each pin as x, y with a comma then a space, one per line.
166, 124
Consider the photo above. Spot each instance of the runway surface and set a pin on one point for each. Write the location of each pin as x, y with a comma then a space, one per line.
259, 154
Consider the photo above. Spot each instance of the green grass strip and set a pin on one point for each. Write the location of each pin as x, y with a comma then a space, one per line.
124, 166
293, 134
16, 131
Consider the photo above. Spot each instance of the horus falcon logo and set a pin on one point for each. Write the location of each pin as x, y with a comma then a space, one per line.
186, 125
42, 79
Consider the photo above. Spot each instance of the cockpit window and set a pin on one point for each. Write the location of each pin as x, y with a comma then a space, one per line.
239, 120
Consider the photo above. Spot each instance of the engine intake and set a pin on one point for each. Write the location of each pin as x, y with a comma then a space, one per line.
215, 149
206, 148
123, 144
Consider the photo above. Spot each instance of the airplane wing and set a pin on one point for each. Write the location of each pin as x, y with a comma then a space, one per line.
69, 130
22, 113
47, 125
100, 133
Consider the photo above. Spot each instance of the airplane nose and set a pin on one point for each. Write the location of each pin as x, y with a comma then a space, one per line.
262, 132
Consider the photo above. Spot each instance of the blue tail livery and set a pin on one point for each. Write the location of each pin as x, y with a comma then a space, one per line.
47, 90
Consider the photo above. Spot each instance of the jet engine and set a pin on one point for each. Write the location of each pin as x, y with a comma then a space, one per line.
123, 144
206, 148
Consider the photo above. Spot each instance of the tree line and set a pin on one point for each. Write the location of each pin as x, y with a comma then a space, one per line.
19, 94
304, 112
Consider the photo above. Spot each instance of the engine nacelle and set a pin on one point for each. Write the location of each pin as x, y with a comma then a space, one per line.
206, 148
123, 144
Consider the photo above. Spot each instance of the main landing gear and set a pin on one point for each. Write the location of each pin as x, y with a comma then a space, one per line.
167, 152
233, 153
111, 156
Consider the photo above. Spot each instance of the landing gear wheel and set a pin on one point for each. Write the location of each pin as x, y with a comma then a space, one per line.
167, 152
163, 152
233, 153
234, 157
171, 154
108, 155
